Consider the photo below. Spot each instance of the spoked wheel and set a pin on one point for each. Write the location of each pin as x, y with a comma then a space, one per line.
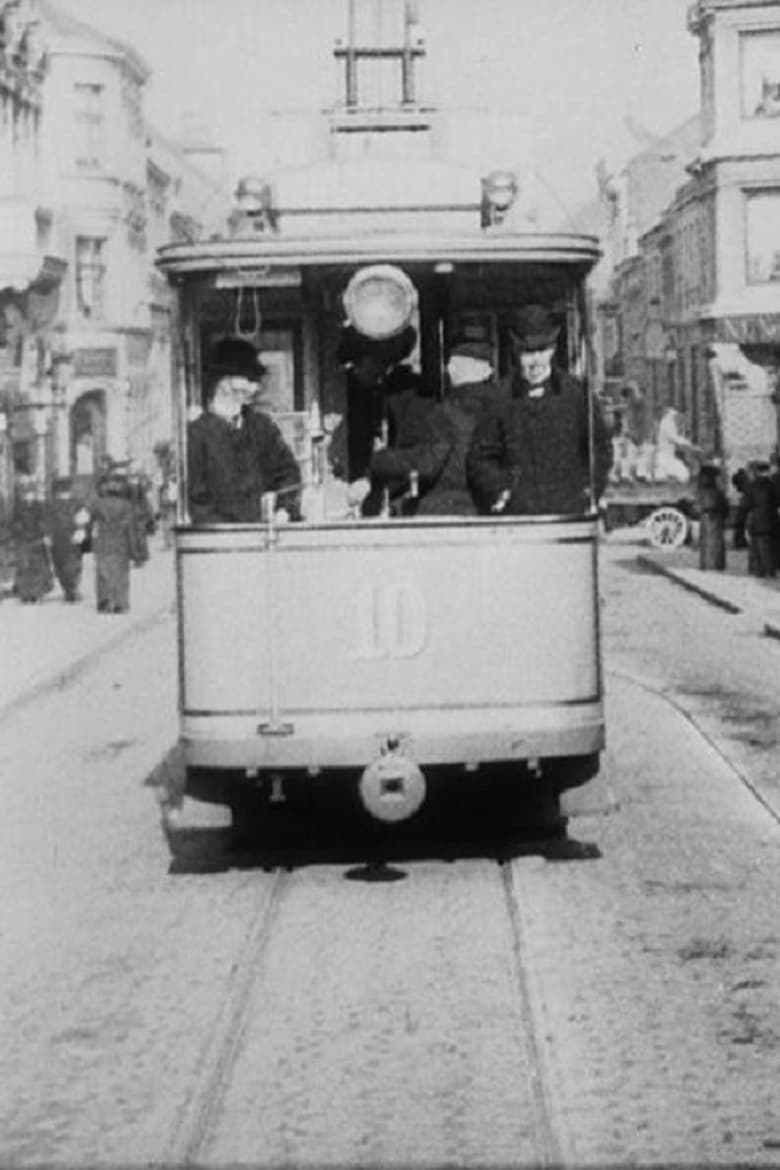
668, 528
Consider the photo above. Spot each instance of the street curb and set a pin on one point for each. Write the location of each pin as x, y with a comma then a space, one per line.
664, 571
72, 671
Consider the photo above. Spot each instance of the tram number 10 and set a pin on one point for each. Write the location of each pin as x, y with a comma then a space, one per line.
391, 623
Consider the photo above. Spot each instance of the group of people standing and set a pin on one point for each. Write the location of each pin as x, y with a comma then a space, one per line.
757, 522
50, 540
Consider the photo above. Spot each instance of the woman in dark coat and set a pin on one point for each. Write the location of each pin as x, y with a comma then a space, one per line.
32, 576
115, 545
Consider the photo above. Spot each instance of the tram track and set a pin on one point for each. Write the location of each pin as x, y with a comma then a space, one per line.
200, 1107
373, 1021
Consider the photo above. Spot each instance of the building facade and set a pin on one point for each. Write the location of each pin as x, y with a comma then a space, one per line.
697, 300
120, 190
31, 265
88, 192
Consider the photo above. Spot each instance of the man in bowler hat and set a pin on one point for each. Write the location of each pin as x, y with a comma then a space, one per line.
235, 452
530, 449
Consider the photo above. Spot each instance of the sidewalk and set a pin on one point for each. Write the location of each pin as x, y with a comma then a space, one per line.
42, 645
732, 589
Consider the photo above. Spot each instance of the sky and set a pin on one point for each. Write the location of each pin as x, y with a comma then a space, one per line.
565, 75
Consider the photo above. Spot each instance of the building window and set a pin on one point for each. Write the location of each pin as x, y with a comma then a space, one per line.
89, 113
762, 230
90, 276
760, 73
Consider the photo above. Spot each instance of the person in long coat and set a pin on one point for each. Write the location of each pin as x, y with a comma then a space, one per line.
470, 376
33, 577
68, 534
529, 453
236, 453
713, 510
763, 522
114, 544
395, 440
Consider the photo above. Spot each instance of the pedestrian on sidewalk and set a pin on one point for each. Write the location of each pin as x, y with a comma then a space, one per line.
763, 522
33, 577
713, 510
115, 545
68, 535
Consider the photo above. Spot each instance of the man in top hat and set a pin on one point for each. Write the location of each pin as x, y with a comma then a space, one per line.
530, 450
235, 452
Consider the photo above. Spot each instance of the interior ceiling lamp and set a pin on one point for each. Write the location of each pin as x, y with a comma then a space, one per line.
380, 301
499, 191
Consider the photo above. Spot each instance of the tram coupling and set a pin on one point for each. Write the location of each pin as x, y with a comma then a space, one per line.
392, 787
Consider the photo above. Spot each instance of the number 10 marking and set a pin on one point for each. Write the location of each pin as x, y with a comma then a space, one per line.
391, 623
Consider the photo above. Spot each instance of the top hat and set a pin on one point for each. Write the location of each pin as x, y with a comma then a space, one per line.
234, 357
533, 327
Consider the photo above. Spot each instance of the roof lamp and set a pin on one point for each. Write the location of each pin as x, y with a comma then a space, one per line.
380, 301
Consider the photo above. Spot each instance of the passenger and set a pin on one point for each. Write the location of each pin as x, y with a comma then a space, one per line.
114, 543
32, 573
529, 453
395, 441
235, 452
470, 376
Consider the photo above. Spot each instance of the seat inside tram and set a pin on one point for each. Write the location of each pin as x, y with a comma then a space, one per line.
359, 360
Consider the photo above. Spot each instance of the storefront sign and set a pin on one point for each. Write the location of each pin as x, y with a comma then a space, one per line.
95, 363
755, 329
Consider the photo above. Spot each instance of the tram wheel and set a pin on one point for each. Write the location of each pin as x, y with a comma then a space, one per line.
668, 528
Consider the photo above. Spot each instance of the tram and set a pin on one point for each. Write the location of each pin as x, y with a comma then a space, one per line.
378, 652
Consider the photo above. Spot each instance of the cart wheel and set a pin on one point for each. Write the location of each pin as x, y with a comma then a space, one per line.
668, 528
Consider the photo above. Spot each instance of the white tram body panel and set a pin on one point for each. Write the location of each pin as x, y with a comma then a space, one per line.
315, 647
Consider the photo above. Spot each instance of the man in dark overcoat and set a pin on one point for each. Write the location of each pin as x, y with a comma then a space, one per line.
530, 450
395, 439
236, 453
471, 383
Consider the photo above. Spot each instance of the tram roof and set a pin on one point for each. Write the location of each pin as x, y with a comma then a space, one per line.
285, 252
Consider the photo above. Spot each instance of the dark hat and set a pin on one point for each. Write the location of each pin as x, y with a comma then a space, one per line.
235, 357
387, 351
481, 350
62, 483
533, 327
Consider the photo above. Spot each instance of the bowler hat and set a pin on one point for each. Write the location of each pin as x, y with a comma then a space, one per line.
481, 350
533, 327
235, 357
